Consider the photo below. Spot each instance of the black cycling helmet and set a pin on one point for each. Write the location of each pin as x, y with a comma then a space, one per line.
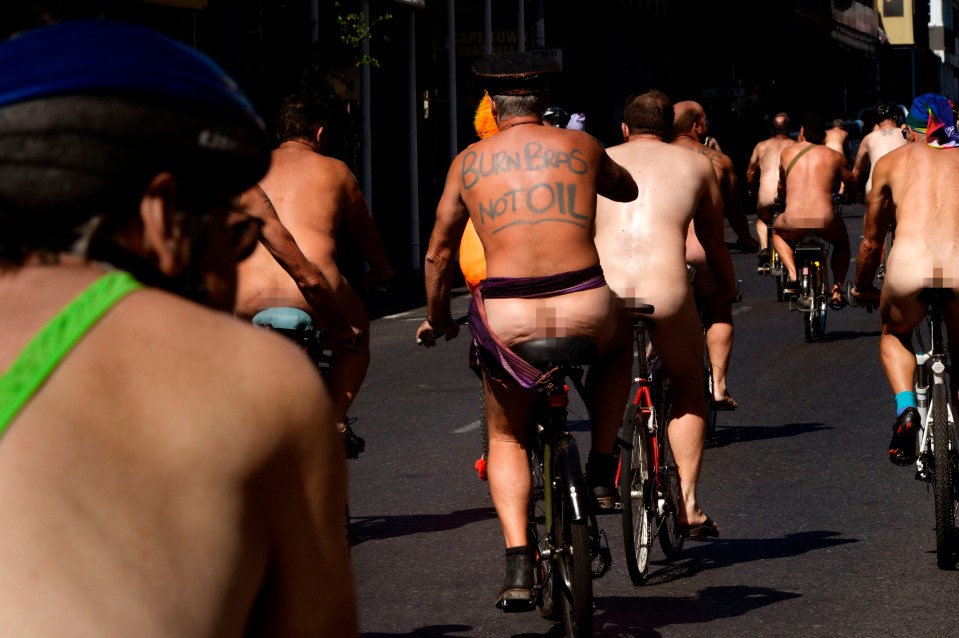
91, 107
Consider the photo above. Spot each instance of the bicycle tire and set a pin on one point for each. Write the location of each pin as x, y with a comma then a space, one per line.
781, 287
635, 490
543, 571
572, 567
669, 486
942, 484
814, 321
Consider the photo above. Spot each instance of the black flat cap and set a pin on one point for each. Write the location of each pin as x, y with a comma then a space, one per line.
518, 73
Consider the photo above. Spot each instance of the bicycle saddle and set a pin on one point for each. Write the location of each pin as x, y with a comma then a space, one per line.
932, 295
283, 318
545, 353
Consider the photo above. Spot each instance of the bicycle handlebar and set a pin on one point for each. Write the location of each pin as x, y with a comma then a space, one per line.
430, 336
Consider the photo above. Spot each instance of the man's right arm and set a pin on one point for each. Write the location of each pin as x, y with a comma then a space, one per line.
861, 165
880, 212
752, 173
451, 218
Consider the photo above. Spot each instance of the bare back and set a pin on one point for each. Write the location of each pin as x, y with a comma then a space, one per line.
765, 160
810, 184
913, 186
649, 234
146, 504
312, 195
530, 191
878, 143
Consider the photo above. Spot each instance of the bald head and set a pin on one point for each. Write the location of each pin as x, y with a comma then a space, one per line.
686, 115
780, 124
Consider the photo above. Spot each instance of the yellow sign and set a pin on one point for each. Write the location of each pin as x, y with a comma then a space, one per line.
897, 20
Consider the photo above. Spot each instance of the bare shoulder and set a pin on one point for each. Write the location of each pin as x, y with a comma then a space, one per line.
219, 358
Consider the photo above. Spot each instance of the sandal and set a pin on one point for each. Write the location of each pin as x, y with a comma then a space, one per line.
705, 529
838, 304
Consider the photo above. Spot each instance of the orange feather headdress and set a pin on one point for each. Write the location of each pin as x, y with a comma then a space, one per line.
483, 121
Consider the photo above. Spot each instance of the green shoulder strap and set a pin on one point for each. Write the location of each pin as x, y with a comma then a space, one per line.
798, 155
48, 347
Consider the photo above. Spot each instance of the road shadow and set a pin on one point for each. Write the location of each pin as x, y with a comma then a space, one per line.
368, 528
848, 335
727, 435
619, 617
630, 617
434, 631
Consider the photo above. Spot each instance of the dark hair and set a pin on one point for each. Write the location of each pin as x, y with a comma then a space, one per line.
779, 125
889, 111
814, 128
508, 106
299, 117
649, 112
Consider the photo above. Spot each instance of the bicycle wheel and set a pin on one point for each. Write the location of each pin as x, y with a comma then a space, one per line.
815, 319
547, 588
942, 483
572, 572
670, 491
635, 489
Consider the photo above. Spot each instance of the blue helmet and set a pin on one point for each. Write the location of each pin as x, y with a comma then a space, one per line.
91, 106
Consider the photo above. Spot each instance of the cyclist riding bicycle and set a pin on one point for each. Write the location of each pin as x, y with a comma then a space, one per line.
315, 197
911, 187
543, 281
809, 171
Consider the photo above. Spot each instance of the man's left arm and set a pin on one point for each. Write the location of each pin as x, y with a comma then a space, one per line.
614, 181
708, 223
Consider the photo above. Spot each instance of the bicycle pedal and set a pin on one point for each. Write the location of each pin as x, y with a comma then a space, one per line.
602, 554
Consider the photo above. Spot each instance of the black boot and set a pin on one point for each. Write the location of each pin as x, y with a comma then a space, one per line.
601, 479
516, 594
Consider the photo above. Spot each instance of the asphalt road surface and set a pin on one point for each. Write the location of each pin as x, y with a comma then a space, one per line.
821, 535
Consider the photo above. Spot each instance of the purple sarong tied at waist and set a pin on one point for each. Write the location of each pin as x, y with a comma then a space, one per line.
526, 375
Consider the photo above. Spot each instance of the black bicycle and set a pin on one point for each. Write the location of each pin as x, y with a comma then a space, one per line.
648, 479
571, 549
811, 256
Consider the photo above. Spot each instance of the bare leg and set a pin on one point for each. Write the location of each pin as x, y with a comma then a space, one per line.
719, 342
839, 237
607, 391
507, 411
679, 343
898, 360
762, 233
785, 254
